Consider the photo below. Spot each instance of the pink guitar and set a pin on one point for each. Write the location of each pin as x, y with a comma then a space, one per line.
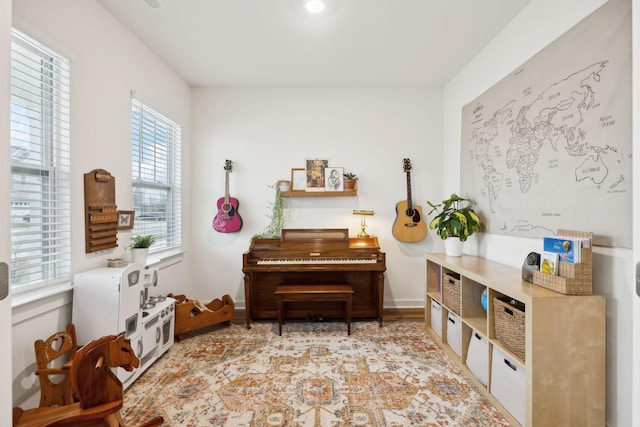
227, 220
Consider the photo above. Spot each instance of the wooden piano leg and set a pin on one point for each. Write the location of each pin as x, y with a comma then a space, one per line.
247, 300
280, 314
380, 297
348, 302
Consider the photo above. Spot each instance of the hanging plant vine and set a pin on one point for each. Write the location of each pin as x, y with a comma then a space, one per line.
277, 216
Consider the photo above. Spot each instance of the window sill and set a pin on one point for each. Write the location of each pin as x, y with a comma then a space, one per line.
38, 294
31, 304
165, 259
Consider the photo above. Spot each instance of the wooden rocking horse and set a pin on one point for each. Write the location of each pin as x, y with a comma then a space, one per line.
98, 389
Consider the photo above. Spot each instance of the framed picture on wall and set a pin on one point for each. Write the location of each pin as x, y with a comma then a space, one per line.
298, 179
314, 169
125, 220
333, 180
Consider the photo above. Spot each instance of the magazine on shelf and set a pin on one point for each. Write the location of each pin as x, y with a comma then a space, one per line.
549, 262
568, 248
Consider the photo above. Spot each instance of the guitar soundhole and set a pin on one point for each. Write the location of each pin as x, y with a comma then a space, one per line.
413, 214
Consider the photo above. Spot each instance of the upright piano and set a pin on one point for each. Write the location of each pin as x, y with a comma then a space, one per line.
314, 256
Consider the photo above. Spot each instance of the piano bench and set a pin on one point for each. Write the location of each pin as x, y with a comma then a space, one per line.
313, 293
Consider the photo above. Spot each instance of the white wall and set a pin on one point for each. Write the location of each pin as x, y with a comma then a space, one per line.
107, 63
266, 132
538, 25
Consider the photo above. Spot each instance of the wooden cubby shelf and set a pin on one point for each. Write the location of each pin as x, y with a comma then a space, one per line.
563, 369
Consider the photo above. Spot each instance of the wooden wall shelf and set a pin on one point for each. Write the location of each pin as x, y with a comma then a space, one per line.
299, 193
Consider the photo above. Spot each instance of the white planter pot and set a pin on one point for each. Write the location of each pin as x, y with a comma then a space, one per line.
139, 255
453, 246
284, 186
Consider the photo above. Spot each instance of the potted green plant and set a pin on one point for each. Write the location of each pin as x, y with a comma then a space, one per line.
350, 179
140, 248
143, 241
454, 222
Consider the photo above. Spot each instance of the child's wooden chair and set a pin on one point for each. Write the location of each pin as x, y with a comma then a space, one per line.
53, 362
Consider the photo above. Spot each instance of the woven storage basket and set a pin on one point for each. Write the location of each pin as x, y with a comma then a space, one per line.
451, 292
508, 317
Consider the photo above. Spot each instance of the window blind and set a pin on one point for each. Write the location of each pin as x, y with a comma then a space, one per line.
40, 164
156, 177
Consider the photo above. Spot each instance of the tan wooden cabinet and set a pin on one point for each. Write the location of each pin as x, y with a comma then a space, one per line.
563, 369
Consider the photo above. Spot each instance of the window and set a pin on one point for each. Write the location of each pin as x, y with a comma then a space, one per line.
156, 177
40, 158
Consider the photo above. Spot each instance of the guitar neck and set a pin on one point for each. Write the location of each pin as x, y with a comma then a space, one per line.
409, 205
226, 187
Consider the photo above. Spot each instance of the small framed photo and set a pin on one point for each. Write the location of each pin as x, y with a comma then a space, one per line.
125, 220
298, 179
333, 180
314, 169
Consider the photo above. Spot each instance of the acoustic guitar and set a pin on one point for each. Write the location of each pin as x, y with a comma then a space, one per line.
227, 220
409, 225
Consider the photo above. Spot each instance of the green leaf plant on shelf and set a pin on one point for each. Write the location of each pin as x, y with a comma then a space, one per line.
350, 179
143, 241
454, 222
140, 248
350, 175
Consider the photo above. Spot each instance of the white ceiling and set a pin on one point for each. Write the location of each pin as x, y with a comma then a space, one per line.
352, 43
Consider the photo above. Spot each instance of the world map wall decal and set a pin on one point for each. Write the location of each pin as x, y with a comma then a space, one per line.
550, 145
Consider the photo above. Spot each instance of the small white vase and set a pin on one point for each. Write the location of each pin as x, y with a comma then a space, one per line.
284, 186
139, 255
453, 246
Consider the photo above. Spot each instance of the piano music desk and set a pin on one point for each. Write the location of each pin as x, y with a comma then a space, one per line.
314, 293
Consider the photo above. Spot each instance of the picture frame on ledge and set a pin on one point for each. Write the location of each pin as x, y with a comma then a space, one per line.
298, 179
314, 170
334, 181
125, 220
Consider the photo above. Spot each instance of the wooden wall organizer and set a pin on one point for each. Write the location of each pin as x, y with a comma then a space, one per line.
100, 211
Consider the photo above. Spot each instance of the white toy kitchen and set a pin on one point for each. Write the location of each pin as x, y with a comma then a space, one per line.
109, 301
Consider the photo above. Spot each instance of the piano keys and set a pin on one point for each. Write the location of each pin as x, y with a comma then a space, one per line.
298, 261
314, 256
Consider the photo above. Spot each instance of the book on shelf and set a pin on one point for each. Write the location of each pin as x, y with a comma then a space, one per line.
567, 247
549, 262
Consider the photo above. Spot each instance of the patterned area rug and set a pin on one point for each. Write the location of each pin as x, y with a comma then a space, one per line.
312, 375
